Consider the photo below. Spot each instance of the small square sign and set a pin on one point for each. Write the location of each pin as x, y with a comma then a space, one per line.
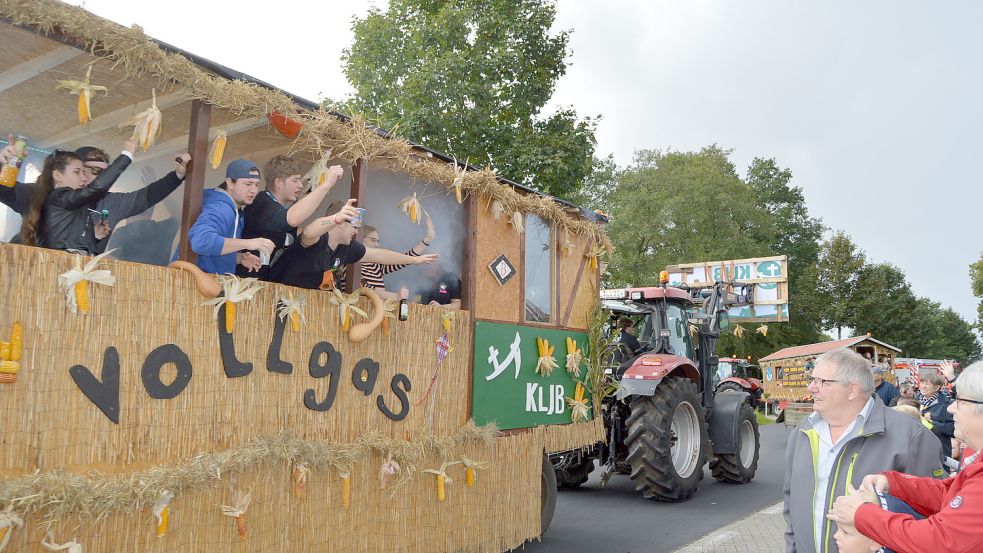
502, 269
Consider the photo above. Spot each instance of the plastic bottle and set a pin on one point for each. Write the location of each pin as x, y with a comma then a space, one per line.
404, 308
8, 175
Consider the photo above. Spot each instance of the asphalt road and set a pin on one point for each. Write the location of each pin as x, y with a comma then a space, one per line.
615, 519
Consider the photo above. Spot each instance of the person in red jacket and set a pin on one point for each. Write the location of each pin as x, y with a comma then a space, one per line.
953, 507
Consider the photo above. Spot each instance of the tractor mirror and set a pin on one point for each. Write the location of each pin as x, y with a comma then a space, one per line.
724, 320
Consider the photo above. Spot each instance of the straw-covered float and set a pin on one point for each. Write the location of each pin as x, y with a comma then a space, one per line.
140, 412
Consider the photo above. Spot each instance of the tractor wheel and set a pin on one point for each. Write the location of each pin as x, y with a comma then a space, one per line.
729, 386
572, 474
667, 441
547, 495
739, 468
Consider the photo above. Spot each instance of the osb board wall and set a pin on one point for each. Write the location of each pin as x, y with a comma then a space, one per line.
499, 513
48, 422
578, 284
493, 301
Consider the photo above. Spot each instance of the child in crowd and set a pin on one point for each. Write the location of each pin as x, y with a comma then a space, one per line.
59, 213
216, 235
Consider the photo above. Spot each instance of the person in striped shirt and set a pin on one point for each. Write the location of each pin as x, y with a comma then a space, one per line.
372, 273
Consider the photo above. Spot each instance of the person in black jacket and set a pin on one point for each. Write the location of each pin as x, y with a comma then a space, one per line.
120, 205
627, 340
934, 403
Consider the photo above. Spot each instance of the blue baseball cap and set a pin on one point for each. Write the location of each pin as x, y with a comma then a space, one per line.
241, 169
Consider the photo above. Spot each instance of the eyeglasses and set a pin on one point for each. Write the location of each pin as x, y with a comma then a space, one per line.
93, 170
819, 382
957, 399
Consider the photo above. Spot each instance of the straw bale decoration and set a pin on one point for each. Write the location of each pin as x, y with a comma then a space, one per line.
134, 53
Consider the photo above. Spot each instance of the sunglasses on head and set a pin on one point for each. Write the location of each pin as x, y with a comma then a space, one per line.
94, 170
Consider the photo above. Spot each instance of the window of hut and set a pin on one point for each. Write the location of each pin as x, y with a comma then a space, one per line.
538, 270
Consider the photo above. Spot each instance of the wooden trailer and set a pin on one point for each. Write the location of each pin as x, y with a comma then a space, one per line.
785, 370
146, 424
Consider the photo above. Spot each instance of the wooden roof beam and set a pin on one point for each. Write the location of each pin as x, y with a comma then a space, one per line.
110, 120
35, 66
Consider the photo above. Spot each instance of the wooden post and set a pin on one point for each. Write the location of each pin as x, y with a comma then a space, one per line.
469, 268
194, 182
359, 177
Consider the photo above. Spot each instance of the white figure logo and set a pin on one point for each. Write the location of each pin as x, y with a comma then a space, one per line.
514, 356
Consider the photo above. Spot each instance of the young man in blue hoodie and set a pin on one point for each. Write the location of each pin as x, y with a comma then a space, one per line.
216, 236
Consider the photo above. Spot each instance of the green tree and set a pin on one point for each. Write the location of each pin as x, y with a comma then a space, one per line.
839, 267
976, 276
883, 304
471, 77
671, 207
941, 333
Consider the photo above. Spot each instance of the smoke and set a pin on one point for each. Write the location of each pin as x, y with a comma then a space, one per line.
381, 195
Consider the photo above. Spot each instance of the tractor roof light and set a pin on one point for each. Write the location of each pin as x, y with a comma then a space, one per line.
663, 277
651, 361
637, 295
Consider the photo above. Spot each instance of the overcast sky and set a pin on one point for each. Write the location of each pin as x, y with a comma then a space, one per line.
875, 106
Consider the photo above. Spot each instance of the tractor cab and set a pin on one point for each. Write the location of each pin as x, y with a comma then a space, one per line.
661, 316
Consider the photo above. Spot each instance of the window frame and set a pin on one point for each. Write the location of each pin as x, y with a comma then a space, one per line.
553, 275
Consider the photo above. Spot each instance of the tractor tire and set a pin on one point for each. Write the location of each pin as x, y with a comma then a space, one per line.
668, 441
574, 474
730, 386
739, 468
547, 495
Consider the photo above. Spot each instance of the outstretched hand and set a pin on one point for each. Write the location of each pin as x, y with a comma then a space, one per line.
130, 146
250, 262
332, 176
346, 213
948, 369
426, 258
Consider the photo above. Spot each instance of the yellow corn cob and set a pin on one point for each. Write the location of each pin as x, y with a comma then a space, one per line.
346, 492
7, 378
347, 322
578, 392
164, 516
441, 488
82, 296
230, 316
457, 194
241, 526
84, 115
3, 532
218, 149
4, 351
294, 321
9, 367
593, 263
16, 341
414, 214
446, 323
469, 477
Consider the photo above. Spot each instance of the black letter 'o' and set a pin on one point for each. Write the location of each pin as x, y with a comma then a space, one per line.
168, 353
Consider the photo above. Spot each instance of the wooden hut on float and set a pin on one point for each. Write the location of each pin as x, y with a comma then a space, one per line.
147, 423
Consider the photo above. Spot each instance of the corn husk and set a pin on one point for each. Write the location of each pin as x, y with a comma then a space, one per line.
300, 473
347, 304
739, 331
240, 503
458, 182
319, 171
235, 290
8, 520
388, 469
288, 306
68, 279
161, 512
218, 149
85, 90
517, 222
546, 363
497, 209
471, 468
410, 206
574, 358
71, 546
146, 124
762, 330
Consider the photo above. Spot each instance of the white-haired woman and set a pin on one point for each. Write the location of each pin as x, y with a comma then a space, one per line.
953, 507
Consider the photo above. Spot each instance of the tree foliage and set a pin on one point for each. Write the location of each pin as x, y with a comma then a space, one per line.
471, 77
976, 277
839, 268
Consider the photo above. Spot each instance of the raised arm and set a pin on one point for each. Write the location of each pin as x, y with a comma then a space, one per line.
320, 226
389, 257
306, 206
127, 204
81, 197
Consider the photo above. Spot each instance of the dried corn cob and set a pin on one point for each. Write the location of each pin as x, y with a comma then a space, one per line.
84, 89
546, 363
218, 149
16, 341
162, 512
146, 124
9, 367
442, 479
4, 351
82, 296
410, 206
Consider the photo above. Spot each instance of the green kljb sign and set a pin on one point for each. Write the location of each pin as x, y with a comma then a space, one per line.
506, 388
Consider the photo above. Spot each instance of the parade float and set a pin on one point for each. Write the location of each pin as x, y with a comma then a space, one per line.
147, 407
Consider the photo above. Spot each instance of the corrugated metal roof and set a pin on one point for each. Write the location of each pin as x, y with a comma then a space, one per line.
822, 347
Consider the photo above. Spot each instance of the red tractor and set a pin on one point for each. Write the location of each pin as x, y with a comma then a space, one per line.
667, 419
741, 376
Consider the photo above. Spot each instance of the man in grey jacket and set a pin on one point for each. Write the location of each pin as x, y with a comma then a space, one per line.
849, 435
